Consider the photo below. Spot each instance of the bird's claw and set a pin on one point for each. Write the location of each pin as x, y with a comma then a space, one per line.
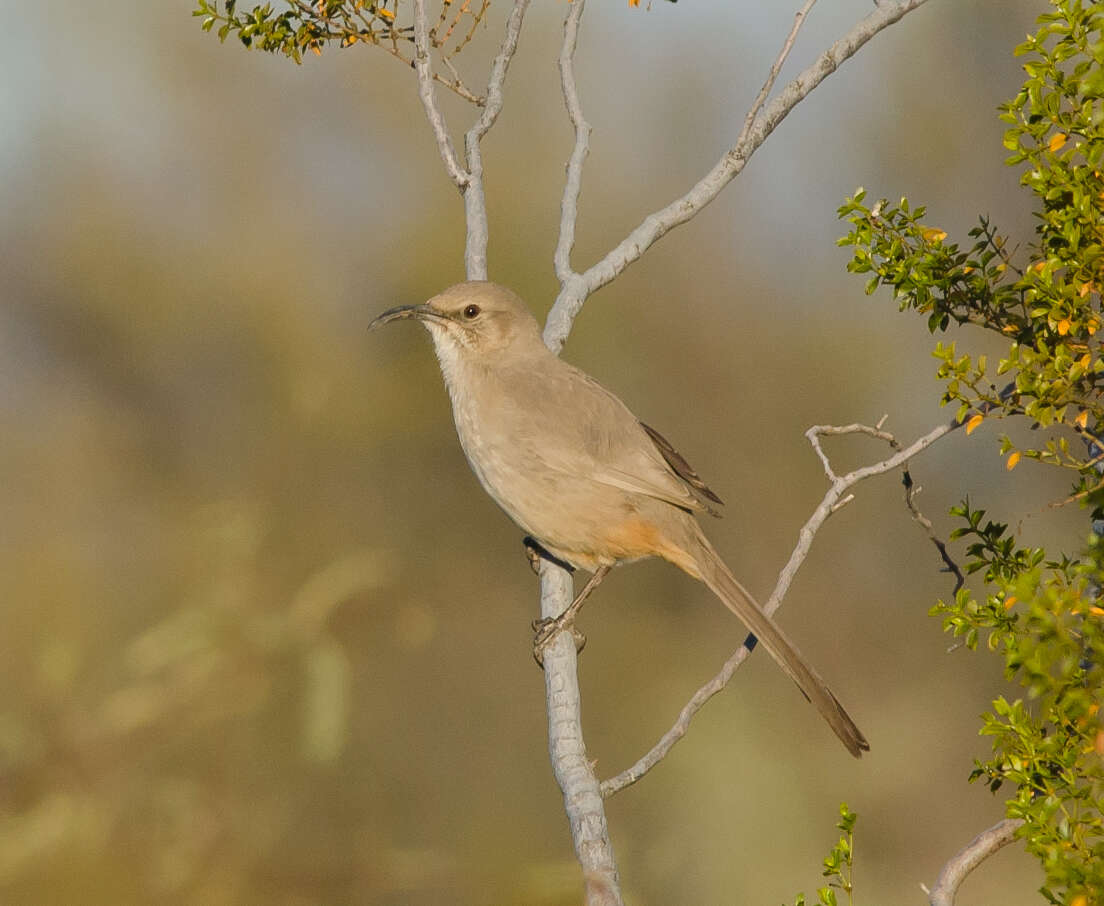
548, 628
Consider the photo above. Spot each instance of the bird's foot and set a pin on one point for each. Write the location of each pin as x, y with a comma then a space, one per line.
548, 628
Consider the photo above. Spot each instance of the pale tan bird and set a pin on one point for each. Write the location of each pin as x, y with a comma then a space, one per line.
572, 466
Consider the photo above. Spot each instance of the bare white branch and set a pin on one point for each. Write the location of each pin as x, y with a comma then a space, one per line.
970, 857
837, 496
501, 65
569, 207
772, 76
657, 224
475, 204
423, 66
573, 771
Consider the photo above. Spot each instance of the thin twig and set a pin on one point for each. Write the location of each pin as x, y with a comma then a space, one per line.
569, 206
970, 857
772, 76
831, 502
657, 224
423, 66
455, 84
911, 490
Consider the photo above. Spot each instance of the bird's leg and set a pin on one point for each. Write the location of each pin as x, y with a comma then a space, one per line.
547, 628
534, 551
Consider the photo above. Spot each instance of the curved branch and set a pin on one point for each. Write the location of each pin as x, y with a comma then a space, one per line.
679, 211
970, 857
836, 497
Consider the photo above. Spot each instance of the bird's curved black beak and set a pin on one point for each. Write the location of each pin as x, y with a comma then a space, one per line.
403, 312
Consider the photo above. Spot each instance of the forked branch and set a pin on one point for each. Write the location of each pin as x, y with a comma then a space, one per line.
576, 287
835, 498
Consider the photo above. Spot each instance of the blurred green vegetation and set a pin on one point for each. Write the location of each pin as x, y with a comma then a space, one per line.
263, 636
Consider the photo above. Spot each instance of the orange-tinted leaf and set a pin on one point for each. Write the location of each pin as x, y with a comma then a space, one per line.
1082, 419
1013, 460
1009, 601
1057, 140
1063, 327
933, 234
973, 423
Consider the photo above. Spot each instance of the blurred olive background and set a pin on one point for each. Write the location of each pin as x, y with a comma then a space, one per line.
264, 639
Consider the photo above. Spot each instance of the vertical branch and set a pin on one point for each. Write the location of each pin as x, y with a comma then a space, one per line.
572, 768
475, 204
569, 207
423, 66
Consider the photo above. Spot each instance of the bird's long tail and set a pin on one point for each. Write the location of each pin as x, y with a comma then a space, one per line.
738, 599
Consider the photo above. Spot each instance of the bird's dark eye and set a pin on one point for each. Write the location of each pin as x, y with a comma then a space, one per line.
471, 311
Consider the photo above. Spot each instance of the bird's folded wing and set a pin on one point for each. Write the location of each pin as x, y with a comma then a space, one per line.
636, 467
602, 441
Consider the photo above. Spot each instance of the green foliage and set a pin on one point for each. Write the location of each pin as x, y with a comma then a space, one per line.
1042, 619
1048, 309
1040, 613
309, 26
837, 864
302, 26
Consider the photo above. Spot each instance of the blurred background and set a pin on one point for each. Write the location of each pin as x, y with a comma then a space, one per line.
263, 638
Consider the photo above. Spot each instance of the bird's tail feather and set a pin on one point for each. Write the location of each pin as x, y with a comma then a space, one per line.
738, 599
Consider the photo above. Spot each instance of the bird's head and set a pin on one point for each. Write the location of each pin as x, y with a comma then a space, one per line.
472, 320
